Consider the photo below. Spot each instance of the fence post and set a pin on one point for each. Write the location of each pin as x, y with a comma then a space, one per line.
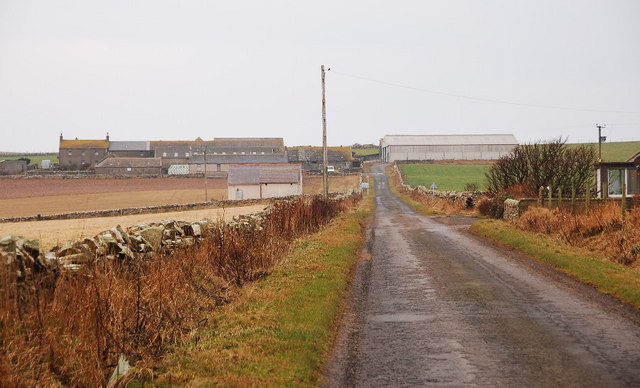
560, 197
623, 206
605, 190
587, 201
550, 197
540, 195
573, 199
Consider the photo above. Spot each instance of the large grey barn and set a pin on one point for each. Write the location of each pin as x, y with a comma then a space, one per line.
445, 147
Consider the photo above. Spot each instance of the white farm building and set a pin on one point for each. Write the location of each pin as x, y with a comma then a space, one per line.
250, 181
445, 147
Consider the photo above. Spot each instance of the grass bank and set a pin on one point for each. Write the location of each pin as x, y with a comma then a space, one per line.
588, 267
278, 331
447, 177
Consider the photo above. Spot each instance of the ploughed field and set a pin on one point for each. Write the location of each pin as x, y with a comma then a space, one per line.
29, 197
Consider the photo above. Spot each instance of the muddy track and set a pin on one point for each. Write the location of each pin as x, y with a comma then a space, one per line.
434, 306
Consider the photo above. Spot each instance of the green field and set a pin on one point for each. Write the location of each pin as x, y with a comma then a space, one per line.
34, 158
616, 151
365, 151
446, 176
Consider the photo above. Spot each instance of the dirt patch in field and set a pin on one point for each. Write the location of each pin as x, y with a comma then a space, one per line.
24, 188
54, 232
22, 207
30, 197
312, 184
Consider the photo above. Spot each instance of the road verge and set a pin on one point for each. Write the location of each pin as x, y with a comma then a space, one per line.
623, 283
279, 330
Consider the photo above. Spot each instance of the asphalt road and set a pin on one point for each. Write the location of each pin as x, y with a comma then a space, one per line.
434, 306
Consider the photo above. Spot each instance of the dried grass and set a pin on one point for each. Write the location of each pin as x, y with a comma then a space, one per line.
70, 328
428, 202
603, 229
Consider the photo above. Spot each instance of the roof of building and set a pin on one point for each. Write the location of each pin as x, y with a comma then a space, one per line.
314, 154
130, 162
129, 146
258, 174
448, 139
248, 142
84, 144
240, 159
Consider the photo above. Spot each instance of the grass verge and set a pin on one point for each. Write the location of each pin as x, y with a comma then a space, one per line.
619, 281
278, 331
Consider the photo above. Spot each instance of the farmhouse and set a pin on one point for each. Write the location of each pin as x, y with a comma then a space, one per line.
445, 147
130, 166
264, 181
311, 157
611, 176
81, 154
13, 167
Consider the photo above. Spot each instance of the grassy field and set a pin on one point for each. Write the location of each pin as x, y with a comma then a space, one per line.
278, 331
617, 151
365, 151
446, 176
610, 278
35, 159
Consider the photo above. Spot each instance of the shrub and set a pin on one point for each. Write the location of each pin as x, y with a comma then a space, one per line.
544, 164
471, 187
492, 207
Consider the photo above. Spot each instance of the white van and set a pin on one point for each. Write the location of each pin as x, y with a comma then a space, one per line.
330, 169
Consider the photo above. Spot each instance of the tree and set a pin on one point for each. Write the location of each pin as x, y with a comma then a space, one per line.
546, 164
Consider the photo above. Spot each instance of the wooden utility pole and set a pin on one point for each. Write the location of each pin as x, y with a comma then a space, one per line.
205, 174
325, 177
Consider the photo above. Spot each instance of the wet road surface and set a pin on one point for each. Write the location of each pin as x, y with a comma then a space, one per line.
434, 306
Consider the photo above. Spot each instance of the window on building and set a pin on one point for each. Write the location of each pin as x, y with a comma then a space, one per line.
262, 152
198, 167
186, 154
97, 153
234, 152
82, 153
70, 153
242, 152
616, 179
128, 168
164, 154
141, 153
175, 154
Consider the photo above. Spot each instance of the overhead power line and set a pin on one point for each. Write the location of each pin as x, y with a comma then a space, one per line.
491, 100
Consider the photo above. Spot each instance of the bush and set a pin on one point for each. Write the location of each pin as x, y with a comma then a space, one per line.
492, 207
551, 164
471, 187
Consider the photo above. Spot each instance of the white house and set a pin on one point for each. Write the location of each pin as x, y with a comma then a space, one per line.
251, 181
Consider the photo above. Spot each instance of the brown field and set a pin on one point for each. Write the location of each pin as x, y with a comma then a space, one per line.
29, 197
55, 232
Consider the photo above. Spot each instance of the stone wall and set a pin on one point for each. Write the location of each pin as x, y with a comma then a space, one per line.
511, 209
467, 198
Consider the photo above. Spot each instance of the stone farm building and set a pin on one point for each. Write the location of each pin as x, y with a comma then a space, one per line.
445, 147
130, 167
81, 154
311, 157
222, 162
13, 167
264, 181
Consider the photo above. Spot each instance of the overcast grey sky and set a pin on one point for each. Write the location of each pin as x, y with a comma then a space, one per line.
167, 70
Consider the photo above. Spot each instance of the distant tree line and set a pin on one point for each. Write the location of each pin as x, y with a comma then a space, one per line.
362, 146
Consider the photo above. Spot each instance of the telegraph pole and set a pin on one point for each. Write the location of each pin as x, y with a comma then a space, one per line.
600, 140
325, 177
205, 173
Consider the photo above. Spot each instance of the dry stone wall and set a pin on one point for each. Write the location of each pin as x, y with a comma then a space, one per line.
466, 198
